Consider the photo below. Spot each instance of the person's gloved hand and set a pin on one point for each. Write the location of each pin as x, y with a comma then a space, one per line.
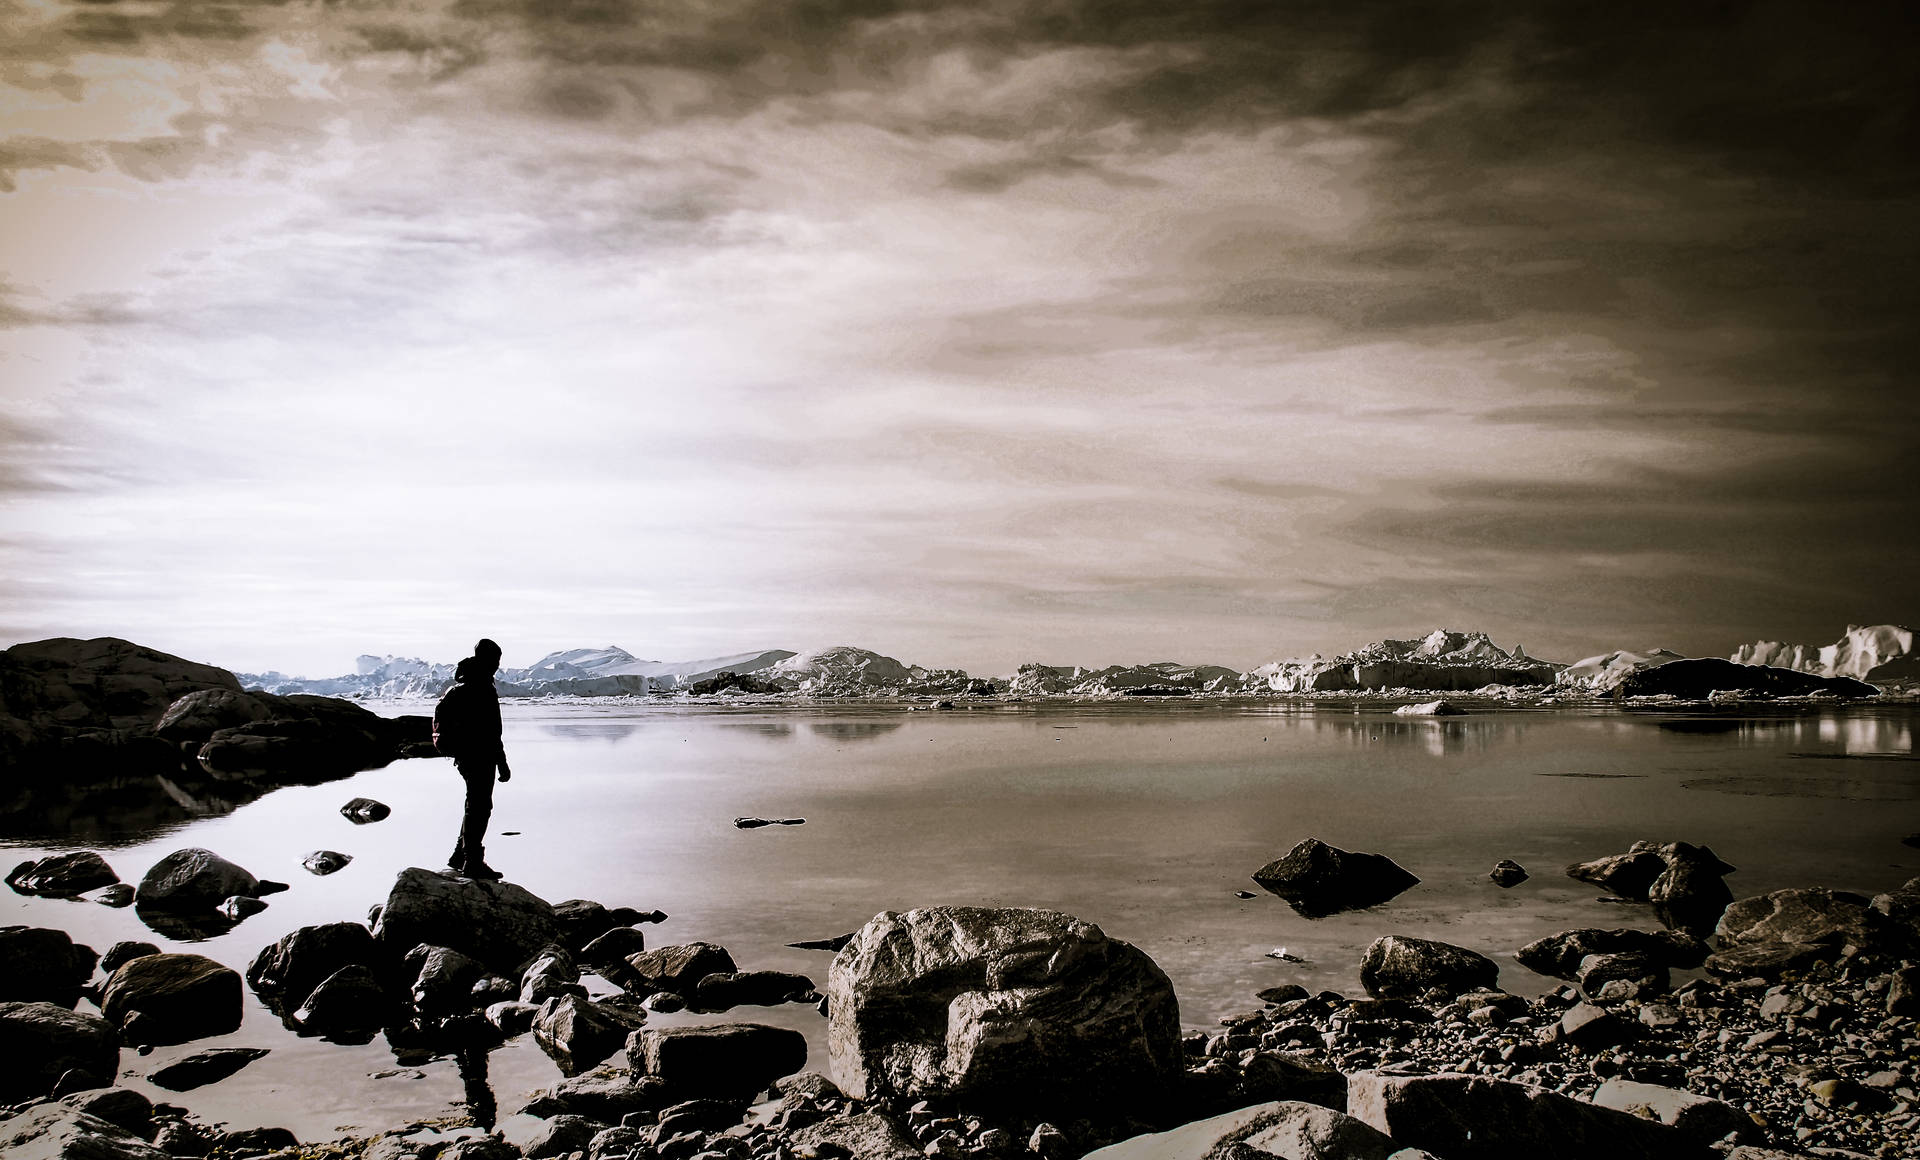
505, 773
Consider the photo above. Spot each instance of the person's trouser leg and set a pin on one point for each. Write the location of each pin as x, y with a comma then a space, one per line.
468, 849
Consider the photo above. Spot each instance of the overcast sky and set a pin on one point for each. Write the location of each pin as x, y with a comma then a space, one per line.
973, 333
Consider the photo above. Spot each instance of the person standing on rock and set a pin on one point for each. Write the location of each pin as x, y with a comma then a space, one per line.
466, 727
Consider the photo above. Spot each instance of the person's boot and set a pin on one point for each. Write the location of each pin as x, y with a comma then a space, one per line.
483, 871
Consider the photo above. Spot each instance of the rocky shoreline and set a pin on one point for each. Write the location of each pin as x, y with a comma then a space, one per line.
1788, 1030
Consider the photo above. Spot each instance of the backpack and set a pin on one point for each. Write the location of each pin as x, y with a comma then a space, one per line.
453, 721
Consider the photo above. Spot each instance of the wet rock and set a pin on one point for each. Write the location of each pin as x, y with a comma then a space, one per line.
172, 998
1768, 960
717, 1060
605, 1095
42, 965
581, 921
612, 947
57, 1131
757, 823
1507, 873
240, 906
1400, 967
551, 973
193, 880
1689, 894
557, 1136
1317, 879
204, 1067
1560, 955
64, 875
348, 1005
1000, 1007
41, 1042
481, 1148
1628, 875
1698, 1118
497, 923
511, 1017
719, 992
118, 895
1283, 1129
250, 1141
443, 979
120, 952
577, 1034
1472, 1118
121, 1107
680, 968
325, 862
1647, 975
284, 973
833, 944
362, 810
253, 733
1903, 992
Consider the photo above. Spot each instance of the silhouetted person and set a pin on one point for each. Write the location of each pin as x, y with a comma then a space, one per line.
466, 725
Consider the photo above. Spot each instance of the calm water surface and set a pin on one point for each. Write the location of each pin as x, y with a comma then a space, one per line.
1144, 818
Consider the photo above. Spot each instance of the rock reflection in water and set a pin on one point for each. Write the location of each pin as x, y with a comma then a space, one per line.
608, 731
853, 730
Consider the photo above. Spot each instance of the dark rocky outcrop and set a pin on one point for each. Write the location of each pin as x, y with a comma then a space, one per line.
1681, 880
121, 1107
1318, 880
443, 979
43, 1042
347, 1006
230, 731
1560, 955
726, 1061
720, 992
172, 998
1698, 678
498, 923
1507, 873
1397, 967
120, 952
42, 965
1000, 1007
65, 702
1769, 935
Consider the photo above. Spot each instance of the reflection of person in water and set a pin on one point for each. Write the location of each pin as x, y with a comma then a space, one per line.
471, 1059
467, 725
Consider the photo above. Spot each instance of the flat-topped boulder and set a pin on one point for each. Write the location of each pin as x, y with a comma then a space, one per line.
172, 998
1465, 1117
500, 924
1000, 1007
85, 708
1398, 967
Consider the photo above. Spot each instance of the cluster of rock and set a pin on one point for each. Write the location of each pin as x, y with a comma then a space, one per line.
192, 893
1443, 661
92, 726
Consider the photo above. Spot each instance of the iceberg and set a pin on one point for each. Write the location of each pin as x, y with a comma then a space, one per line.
1880, 654
1441, 661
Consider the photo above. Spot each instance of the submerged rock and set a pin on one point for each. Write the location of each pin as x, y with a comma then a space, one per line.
326, 861
362, 810
1507, 873
719, 992
1318, 880
204, 1067
680, 968
1000, 1007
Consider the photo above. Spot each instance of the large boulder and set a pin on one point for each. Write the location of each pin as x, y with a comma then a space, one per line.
284, 973
498, 923
1318, 880
722, 1061
172, 998
720, 992
1465, 1117
1702, 1119
58, 1131
38, 964
245, 732
1833, 917
193, 880
578, 1033
1282, 1130
443, 979
1010, 1007
1396, 967
41, 1042
64, 875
